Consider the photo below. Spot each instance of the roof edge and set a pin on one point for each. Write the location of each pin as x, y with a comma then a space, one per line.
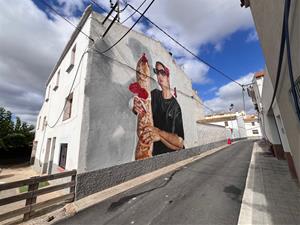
81, 23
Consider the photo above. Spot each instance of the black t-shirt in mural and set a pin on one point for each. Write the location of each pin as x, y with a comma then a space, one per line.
167, 117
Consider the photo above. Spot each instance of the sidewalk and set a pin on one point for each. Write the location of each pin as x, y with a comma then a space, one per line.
271, 196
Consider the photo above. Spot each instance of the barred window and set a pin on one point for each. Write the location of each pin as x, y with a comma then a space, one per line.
297, 87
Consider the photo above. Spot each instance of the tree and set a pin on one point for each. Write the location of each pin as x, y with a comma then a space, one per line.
14, 136
6, 123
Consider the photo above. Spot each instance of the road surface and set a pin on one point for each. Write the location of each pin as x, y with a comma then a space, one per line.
207, 191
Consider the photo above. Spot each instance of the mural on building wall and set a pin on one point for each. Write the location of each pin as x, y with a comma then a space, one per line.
159, 118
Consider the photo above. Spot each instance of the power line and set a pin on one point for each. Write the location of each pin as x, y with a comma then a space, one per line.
73, 82
49, 6
172, 38
171, 89
131, 15
95, 3
185, 48
142, 14
281, 52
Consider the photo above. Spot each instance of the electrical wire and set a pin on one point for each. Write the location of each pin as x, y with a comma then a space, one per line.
142, 14
172, 38
95, 3
49, 6
73, 82
171, 89
281, 52
131, 15
185, 48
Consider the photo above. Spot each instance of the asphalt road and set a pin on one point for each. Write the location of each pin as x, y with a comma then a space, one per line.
207, 191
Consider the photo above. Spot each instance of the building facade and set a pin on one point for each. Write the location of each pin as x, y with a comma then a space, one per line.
281, 122
238, 125
252, 126
85, 122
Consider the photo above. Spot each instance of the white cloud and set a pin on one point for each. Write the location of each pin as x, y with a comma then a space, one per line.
68, 8
193, 23
195, 69
32, 43
30, 46
252, 36
213, 89
231, 93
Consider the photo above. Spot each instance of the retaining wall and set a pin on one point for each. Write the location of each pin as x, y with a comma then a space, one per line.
94, 181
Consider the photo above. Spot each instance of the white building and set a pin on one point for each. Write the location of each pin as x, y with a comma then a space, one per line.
255, 90
85, 122
280, 120
233, 122
252, 126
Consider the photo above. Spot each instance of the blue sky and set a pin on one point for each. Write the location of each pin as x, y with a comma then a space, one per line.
219, 31
237, 57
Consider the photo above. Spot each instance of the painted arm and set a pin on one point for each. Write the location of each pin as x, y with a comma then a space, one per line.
172, 141
153, 134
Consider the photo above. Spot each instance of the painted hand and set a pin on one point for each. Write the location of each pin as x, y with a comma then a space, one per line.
138, 106
150, 135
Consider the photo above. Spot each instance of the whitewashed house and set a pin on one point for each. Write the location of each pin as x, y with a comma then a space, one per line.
85, 122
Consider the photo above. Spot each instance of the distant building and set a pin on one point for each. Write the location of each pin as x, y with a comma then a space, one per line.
252, 126
280, 121
238, 125
255, 90
85, 122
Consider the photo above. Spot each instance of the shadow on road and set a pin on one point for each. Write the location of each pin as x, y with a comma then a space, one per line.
115, 205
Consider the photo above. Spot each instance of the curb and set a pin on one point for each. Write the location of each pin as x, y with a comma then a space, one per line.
73, 208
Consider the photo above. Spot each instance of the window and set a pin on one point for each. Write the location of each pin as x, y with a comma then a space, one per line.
48, 94
44, 123
68, 107
57, 81
38, 123
297, 87
63, 155
226, 123
72, 62
255, 132
253, 123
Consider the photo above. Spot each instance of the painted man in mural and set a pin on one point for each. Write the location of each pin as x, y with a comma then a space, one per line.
167, 133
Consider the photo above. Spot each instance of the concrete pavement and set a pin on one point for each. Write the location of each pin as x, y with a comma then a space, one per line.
271, 196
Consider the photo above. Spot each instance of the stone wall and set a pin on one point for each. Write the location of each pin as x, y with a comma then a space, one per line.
94, 181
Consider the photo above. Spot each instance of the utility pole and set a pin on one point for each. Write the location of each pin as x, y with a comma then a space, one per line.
117, 10
243, 90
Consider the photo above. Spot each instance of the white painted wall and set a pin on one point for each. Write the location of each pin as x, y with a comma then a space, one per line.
208, 133
67, 131
280, 128
269, 32
102, 129
250, 127
232, 130
268, 123
257, 88
109, 126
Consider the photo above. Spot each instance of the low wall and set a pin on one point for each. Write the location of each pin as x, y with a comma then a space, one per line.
208, 133
94, 181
